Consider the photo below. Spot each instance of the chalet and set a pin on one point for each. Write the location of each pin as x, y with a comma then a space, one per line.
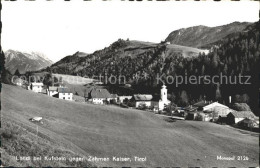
212, 106
64, 93
121, 99
236, 116
114, 97
218, 112
52, 90
142, 100
36, 87
248, 123
99, 96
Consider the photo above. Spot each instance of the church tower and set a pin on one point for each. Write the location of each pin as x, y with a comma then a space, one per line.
163, 101
164, 93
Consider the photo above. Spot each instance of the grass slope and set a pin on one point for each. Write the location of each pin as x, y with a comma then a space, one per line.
186, 51
104, 131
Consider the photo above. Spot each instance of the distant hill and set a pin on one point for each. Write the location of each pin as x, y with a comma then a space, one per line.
25, 61
199, 36
122, 56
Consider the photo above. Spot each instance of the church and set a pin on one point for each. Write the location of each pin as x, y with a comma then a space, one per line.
162, 101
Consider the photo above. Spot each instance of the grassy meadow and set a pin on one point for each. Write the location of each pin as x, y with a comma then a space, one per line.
73, 129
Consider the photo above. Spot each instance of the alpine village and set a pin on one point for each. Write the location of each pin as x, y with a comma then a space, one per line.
123, 95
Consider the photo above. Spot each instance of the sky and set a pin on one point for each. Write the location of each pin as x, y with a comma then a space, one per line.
57, 28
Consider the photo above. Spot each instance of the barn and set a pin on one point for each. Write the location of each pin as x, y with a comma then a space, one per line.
236, 116
99, 96
142, 100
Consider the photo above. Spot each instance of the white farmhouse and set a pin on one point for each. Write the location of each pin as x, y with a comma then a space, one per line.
212, 106
99, 96
237, 116
142, 100
52, 90
36, 87
64, 93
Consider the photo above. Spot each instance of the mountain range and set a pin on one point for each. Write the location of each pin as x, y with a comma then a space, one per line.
25, 61
203, 36
185, 42
131, 56
231, 50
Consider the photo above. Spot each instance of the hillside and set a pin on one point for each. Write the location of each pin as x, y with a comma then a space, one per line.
71, 128
199, 36
25, 61
112, 58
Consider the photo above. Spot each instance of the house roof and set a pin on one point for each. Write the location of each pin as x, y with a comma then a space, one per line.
201, 104
214, 105
222, 111
243, 114
37, 84
63, 90
190, 108
53, 88
114, 95
139, 97
247, 120
100, 93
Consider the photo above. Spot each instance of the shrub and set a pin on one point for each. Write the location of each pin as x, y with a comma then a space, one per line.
241, 107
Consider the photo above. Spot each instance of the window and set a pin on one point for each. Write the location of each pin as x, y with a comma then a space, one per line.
64, 98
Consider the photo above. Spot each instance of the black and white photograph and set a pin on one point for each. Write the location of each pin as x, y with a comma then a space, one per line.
117, 83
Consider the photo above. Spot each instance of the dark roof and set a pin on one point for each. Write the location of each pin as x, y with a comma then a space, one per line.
100, 93
190, 108
247, 120
201, 104
243, 114
139, 97
63, 90
114, 95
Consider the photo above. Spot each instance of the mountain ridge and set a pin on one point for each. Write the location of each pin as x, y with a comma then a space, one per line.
200, 36
25, 61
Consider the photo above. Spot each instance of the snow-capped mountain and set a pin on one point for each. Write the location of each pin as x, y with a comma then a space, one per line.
25, 61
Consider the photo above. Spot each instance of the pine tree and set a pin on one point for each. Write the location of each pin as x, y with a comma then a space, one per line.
17, 73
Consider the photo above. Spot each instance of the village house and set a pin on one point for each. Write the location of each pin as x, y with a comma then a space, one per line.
52, 90
64, 93
212, 106
99, 96
36, 87
142, 100
217, 111
248, 123
236, 116
114, 97
121, 99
